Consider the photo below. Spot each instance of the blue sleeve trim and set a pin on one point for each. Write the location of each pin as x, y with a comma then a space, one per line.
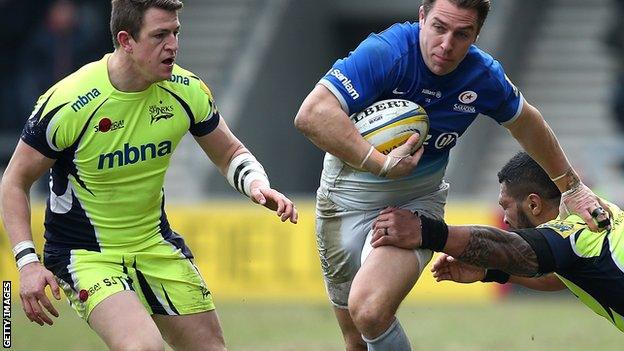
205, 127
517, 114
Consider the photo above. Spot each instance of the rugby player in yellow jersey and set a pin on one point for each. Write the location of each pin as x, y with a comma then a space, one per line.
589, 264
107, 133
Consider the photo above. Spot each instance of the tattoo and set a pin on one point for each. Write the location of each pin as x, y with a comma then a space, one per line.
572, 179
490, 247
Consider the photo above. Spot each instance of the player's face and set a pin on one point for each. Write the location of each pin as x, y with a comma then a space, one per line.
515, 215
446, 35
155, 50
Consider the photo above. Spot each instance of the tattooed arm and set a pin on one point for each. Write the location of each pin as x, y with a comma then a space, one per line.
490, 247
481, 246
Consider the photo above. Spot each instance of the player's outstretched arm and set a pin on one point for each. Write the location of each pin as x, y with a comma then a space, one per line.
481, 246
26, 166
446, 267
244, 172
539, 141
322, 120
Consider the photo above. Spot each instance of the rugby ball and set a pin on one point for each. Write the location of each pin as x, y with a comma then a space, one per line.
388, 124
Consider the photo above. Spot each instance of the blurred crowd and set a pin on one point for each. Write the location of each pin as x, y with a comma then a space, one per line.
615, 41
47, 39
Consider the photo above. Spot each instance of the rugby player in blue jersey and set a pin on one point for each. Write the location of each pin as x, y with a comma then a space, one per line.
591, 265
434, 63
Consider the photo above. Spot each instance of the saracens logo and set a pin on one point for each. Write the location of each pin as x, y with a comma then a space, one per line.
160, 112
106, 124
467, 97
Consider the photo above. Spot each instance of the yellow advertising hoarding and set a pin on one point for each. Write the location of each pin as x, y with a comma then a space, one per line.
244, 252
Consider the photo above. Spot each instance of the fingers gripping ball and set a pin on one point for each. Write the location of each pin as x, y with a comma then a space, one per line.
388, 124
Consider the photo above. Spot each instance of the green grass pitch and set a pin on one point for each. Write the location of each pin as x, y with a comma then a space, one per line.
513, 325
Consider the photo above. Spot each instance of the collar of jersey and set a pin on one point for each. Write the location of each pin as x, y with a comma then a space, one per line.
123, 95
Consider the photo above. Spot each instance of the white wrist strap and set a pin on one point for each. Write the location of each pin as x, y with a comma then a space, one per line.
370, 152
29, 258
24, 253
243, 170
23, 245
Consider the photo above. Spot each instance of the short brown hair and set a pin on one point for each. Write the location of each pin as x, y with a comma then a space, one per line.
127, 15
482, 7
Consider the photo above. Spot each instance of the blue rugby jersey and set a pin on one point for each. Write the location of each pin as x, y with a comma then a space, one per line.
389, 65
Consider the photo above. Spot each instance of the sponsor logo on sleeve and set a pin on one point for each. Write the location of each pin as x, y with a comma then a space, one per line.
84, 100
346, 82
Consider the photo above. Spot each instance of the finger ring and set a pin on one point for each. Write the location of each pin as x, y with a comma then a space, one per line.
598, 211
604, 223
385, 231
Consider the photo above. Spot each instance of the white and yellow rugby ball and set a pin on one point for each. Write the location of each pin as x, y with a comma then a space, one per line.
388, 124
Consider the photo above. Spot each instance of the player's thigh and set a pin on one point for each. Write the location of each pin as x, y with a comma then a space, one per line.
340, 235
198, 331
168, 282
385, 278
123, 323
388, 273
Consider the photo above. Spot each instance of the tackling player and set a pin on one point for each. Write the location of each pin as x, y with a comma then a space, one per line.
590, 264
434, 63
107, 132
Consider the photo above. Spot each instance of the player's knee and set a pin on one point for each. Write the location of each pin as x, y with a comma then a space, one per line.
208, 340
214, 343
138, 344
369, 318
149, 339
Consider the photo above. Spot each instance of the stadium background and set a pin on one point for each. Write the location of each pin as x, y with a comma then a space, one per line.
260, 58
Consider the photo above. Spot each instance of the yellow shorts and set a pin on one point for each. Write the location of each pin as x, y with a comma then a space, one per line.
165, 280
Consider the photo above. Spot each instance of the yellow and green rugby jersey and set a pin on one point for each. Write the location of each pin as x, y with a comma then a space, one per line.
590, 264
112, 150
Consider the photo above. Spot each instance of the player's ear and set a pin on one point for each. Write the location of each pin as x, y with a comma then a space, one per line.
535, 204
421, 16
124, 39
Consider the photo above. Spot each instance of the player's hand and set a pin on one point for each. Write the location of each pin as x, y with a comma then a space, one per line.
272, 199
447, 267
33, 279
581, 201
397, 227
402, 160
